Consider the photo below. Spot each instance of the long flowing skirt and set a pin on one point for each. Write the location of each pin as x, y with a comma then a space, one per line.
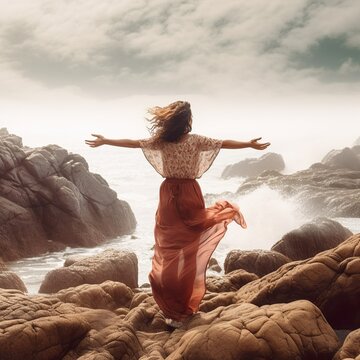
186, 234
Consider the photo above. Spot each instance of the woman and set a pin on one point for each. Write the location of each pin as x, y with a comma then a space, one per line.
186, 233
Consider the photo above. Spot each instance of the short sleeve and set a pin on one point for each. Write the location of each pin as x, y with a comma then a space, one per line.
152, 153
208, 149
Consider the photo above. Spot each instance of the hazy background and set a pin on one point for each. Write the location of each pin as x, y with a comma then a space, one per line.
287, 71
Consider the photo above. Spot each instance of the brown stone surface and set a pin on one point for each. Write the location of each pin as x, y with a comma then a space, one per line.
330, 280
311, 238
232, 281
77, 323
350, 348
259, 262
10, 280
111, 264
49, 198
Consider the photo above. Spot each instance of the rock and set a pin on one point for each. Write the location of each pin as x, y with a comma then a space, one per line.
330, 280
232, 281
214, 265
319, 190
259, 262
312, 238
241, 332
254, 167
351, 347
10, 280
72, 259
111, 264
48, 196
342, 159
108, 321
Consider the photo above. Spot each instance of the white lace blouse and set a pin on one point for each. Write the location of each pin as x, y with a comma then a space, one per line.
188, 158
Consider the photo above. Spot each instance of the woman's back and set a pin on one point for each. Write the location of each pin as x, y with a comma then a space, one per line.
187, 158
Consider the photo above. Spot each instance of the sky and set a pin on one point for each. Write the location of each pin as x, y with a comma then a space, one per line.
278, 69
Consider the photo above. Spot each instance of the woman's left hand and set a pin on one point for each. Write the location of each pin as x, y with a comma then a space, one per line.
258, 146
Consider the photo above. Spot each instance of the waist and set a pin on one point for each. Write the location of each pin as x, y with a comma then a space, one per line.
179, 180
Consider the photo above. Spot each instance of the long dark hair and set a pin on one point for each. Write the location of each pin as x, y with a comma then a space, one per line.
171, 122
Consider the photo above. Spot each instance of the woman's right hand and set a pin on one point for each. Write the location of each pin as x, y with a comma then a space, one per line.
100, 140
258, 146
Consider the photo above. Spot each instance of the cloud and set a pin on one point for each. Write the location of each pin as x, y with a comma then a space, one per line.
112, 48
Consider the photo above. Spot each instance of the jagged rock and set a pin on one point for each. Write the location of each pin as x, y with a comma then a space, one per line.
330, 280
49, 196
214, 265
342, 159
10, 280
259, 262
319, 190
312, 238
111, 264
254, 167
78, 323
232, 281
357, 141
350, 348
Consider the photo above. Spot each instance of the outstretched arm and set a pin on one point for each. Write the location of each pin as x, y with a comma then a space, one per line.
101, 140
233, 144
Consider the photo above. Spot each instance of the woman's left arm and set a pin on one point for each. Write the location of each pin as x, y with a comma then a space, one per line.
234, 144
101, 140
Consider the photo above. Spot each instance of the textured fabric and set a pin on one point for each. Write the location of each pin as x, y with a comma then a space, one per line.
186, 234
188, 158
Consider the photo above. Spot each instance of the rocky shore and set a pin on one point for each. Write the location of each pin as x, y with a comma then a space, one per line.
327, 188
50, 200
302, 309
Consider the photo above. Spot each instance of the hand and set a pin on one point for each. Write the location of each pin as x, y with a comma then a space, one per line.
100, 140
255, 145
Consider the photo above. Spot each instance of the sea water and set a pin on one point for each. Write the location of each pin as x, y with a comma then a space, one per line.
268, 215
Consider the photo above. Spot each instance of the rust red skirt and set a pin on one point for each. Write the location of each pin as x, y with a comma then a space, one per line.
186, 234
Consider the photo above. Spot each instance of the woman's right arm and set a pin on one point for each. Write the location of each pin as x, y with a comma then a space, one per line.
233, 144
101, 140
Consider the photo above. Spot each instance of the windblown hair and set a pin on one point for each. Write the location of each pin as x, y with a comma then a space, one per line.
171, 122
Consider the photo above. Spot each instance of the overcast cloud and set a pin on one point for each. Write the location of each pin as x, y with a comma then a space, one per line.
118, 48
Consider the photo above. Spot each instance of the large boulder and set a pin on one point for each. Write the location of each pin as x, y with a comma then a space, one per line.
311, 239
350, 348
109, 321
50, 200
330, 280
10, 280
342, 159
259, 262
111, 264
254, 167
232, 281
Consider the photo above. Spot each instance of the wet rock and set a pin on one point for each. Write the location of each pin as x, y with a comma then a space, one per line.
10, 280
350, 348
214, 265
312, 238
254, 166
342, 159
318, 191
49, 196
111, 264
232, 281
330, 280
259, 262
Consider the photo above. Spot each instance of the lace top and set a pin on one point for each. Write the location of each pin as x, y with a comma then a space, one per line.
188, 158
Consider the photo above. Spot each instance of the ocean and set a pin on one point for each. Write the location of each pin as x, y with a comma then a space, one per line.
268, 215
